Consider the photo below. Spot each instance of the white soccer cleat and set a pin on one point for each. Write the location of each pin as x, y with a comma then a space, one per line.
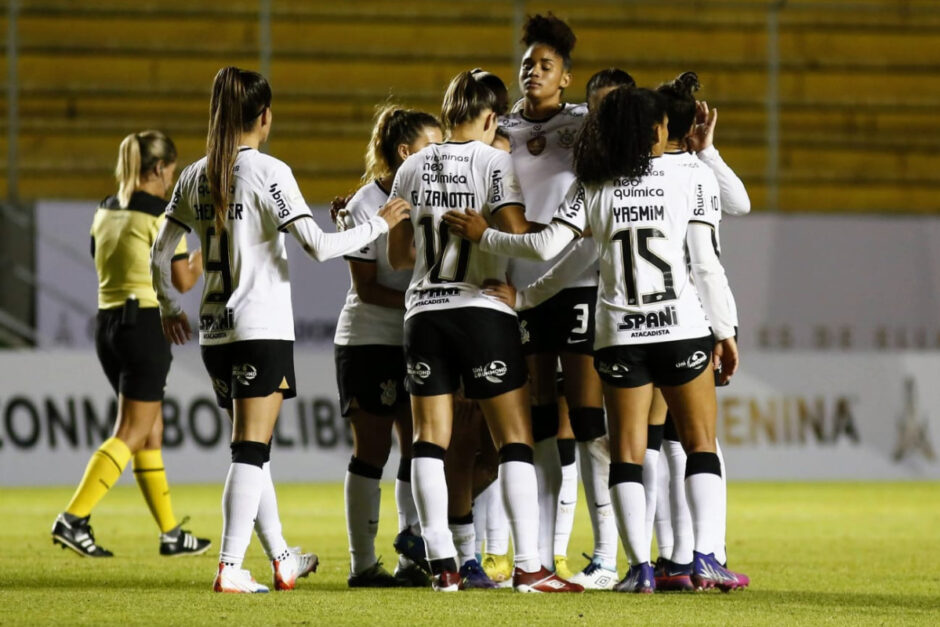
236, 581
595, 577
293, 567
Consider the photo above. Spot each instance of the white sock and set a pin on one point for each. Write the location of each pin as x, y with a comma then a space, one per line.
518, 483
548, 475
240, 499
479, 524
721, 550
704, 493
464, 535
681, 516
650, 488
567, 503
363, 498
663, 519
629, 501
497, 524
429, 486
594, 457
268, 521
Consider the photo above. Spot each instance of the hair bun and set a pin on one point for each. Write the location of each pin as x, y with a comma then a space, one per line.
551, 30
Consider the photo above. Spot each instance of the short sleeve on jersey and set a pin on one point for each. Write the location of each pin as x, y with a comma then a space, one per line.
180, 209
282, 197
572, 212
706, 197
504, 188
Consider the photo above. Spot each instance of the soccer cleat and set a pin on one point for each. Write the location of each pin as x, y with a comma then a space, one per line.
374, 577
498, 568
542, 580
75, 533
412, 546
446, 581
411, 576
561, 567
236, 581
595, 576
672, 577
294, 566
179, 541
639, 579
708, 573
473, 577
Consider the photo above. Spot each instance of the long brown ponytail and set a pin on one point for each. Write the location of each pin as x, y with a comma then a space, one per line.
238, 98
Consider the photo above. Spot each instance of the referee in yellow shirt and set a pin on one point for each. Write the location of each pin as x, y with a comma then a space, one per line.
131, 346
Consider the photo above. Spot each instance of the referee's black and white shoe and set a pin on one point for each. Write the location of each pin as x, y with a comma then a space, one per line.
72, 532
178, 541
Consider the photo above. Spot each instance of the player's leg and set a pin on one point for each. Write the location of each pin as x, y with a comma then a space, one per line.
459, 464
694, 408
583, 392
628, 410
151, 479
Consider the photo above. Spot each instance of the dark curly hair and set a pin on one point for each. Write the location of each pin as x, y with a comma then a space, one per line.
680, 103
551, 31
617, 139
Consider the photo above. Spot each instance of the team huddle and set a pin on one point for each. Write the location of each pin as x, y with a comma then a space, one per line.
536, 294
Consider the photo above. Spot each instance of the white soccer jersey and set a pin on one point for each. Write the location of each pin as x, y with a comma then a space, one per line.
449, 271
645, 293
362, 323
246, 295
543, 158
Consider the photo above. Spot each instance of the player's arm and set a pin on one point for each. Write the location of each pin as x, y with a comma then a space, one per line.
365, 280
175, 324
734, 198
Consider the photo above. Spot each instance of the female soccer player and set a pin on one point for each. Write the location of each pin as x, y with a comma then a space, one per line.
455, 334
644, 211
241, 202
130, 345
691, 129
370, 363
542, 134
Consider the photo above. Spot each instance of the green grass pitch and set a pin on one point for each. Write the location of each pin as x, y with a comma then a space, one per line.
837, 553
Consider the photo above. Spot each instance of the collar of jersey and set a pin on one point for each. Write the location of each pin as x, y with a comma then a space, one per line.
564, 106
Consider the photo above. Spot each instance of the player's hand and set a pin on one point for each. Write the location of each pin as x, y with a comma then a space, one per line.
468, 224
703, 131
504, 292
394, 211
176, 328
338, 211
726, 359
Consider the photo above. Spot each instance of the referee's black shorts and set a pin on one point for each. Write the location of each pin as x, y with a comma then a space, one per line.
135, 354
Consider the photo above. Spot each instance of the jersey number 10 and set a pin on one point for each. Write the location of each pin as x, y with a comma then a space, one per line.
449, 264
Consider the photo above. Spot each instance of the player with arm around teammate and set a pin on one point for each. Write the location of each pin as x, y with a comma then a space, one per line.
455, 334
370, 363
652, 320
240, 202
130, 345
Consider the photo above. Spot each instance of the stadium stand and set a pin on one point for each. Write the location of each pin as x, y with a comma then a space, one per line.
858, 129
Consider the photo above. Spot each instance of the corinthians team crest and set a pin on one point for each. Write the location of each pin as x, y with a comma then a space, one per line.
566, 137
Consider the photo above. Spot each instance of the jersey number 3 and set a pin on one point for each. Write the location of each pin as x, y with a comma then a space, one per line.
221, 266
636, 241
451, 261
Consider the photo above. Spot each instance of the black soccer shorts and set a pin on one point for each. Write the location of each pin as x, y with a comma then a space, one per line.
660, 363
372, 375
474, 345
562, 324
250, 369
